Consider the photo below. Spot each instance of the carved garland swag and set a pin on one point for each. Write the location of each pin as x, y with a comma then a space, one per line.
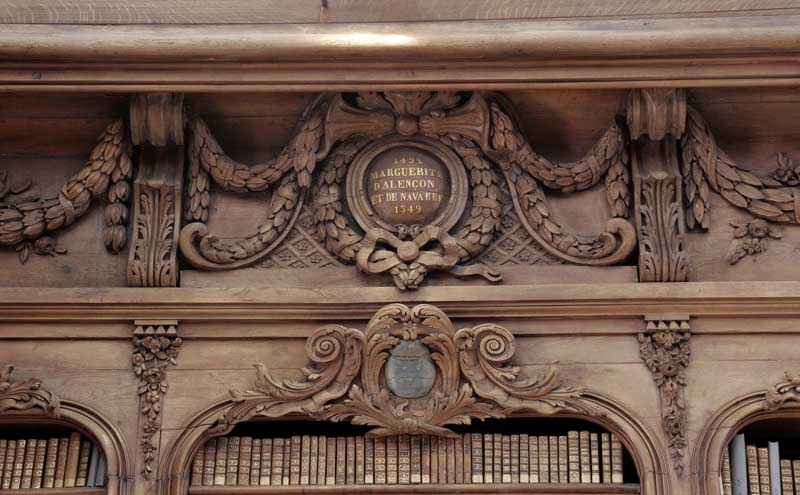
478, 128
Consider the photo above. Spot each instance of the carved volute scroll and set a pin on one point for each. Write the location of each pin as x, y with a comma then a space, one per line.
408, 372
656, 118
664, 348
157, 128
25, 395
156, 345
405, 184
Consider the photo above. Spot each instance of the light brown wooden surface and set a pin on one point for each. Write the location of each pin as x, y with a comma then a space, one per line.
305, 11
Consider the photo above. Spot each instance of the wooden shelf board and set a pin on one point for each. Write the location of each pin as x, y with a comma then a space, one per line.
418, 489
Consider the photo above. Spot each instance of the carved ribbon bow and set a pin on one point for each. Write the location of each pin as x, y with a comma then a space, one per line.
408, 262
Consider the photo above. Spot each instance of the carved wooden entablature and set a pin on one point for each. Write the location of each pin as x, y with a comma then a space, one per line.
409, 371
26, 395
406, 183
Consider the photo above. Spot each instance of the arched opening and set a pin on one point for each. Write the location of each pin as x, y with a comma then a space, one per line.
644, 462
92, 425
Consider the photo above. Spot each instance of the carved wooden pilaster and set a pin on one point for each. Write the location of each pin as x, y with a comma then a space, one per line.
157, 128
156, 346
656, 117
664, 347
25, 395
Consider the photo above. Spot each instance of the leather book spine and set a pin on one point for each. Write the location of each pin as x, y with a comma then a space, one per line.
245, 458
380, 461
391, 460
50, 463
594, 448
416, 458
574, 456
305, 459
360, 446
255, 462
524, 459
350, 461
369, 461
265, 478
39, 460
232, 470
28, 462
585, 457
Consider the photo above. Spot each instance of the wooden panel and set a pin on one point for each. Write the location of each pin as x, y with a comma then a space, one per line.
278, 11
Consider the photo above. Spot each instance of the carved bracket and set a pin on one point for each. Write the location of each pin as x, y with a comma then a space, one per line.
408, 372
25, 395
156, 346
656, 118
780, 394
157, 127
664, 348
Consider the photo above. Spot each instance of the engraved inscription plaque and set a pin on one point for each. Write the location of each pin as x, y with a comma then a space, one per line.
407, 185
410, 372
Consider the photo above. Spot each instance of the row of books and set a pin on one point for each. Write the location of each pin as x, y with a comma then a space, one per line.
33, 463
757, 469
578, 457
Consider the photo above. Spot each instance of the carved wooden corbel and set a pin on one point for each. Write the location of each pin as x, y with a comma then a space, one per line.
664, 348
656, 118
408, 372
25, 395
156, 345
157, 128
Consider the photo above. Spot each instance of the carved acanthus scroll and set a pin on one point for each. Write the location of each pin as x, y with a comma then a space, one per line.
25, 223
656, 118
664, 348
780, 394
157, 128
448, 377
25, 395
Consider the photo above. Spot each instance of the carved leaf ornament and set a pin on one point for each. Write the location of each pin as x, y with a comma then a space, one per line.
471, 142
408, 372
24, 395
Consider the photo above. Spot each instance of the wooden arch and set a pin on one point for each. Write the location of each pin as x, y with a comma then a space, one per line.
97, 426
636, 436
718, 431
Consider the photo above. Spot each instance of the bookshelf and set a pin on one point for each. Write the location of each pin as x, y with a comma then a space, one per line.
49, 460
762, 455
502, 456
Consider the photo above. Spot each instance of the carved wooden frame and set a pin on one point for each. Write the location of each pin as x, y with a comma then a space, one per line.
362, 210
722, 426
65, 412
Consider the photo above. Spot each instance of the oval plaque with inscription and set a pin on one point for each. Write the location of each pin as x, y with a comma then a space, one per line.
407, 185
399, 181
410, 372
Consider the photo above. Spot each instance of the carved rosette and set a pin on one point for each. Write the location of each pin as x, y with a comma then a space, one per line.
408, 372
25, 395
155, 348
472, 144
780, 394
664, 348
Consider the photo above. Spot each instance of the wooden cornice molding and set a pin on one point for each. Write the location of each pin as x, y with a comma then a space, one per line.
731, 299
674, 51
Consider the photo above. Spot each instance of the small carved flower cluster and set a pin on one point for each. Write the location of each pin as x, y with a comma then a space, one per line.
750, 238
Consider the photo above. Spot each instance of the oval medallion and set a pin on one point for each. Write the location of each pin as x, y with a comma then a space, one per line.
410, 372
407, 185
